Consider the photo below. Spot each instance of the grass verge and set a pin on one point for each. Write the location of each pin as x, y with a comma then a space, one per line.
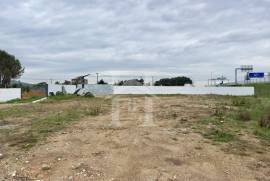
236, 120
44, 118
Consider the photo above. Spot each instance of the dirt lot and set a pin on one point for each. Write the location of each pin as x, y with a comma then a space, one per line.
171, 147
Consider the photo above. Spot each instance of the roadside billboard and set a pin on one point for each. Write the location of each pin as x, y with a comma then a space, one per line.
256, 75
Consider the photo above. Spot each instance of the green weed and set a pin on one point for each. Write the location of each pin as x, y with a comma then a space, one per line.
219, 135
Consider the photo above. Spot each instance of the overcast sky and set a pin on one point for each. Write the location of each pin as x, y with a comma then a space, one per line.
64, 38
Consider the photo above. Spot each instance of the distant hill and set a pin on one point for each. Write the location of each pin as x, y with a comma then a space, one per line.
23, 84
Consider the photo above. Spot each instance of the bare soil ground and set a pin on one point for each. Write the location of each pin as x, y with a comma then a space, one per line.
93, 148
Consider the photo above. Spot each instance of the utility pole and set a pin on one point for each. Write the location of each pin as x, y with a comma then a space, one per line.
97, 77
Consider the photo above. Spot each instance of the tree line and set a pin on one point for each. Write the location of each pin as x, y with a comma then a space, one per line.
175, 81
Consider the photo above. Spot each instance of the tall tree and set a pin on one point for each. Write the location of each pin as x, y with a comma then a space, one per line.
176, 81
10, 68
102, 82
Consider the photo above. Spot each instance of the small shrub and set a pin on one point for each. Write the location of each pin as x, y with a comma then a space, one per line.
264, 118
264, 122
219, 112
51, 94
59, 93
244, 116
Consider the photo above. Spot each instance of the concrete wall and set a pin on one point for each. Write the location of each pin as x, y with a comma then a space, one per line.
9, 94
99, 89
235, 91
70, 89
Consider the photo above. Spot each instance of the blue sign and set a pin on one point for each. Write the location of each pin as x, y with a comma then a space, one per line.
256, 75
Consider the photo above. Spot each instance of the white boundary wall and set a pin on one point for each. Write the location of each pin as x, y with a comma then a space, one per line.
233, 91
10, 94
70, 89
109, 89
99, 89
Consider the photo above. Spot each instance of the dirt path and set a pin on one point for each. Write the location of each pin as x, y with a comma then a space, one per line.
94, 149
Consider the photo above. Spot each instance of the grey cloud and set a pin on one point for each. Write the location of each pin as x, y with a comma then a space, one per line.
63, 38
